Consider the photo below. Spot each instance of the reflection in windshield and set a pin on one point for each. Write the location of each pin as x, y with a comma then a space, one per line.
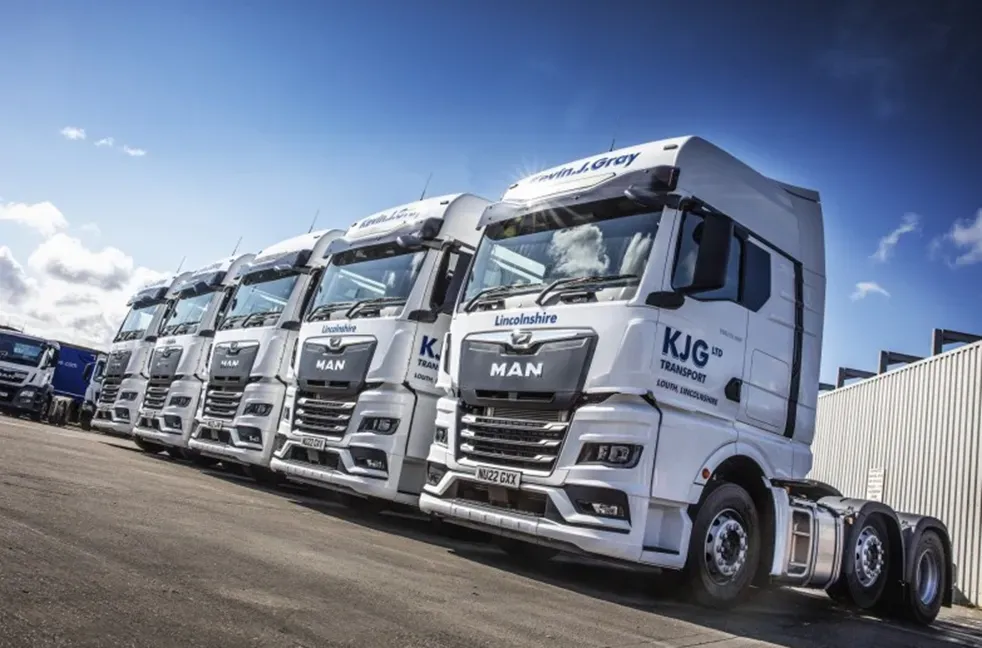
260, 294
603, 239
384, 271
20, 351
136, 322
186, 314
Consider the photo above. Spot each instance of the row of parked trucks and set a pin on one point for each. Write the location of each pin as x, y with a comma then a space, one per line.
619, 359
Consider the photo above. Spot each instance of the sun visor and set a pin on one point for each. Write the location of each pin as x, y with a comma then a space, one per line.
406, 234
649, 183
201, 283
148, 297
278, 263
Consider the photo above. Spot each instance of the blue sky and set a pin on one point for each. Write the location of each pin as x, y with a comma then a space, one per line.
252, 115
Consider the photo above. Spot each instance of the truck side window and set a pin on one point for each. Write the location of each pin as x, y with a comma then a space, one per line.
685, 262
450, 277
756, 276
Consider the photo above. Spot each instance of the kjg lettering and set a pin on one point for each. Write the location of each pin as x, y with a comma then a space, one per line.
694, 348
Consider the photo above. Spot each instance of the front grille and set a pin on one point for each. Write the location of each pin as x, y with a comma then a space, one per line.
327, 417
156, 395
110, 389
222, 399
512, 437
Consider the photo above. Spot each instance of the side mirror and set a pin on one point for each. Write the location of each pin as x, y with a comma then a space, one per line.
53, 360
87, 372
713, 259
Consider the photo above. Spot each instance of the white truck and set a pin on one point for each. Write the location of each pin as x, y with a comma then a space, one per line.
177, 366
359, 413
92, 374
249, 364
124, 380
27, 368
632, 374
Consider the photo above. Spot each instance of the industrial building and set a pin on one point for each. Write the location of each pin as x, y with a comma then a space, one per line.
911, 437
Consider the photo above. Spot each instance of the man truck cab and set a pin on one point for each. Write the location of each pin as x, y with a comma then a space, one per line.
177, 366
632, 373
126, 374
27, 367
359, 414
249, 363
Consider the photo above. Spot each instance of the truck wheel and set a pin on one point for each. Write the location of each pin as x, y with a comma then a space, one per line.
202, 461
866, 565
724, 548
42, 413
85, 421
175, 453
923, 599
525, 553
146, 446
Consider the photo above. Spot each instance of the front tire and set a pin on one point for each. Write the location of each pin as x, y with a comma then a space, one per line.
525, 553
176, 453
146, 446
724, 548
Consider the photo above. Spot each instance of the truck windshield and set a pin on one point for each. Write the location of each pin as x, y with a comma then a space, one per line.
20, 350
611, 238
259, 298
186, 314
382, 274
136, 323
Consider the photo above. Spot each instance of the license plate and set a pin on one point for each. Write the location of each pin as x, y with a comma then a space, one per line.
213, 424
312, 442
509, 478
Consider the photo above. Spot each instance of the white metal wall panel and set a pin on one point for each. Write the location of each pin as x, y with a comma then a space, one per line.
922, 424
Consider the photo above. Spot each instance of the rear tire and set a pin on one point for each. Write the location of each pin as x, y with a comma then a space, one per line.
525, 553
866, 568
724, 548
925, 595
148, 447
176, 453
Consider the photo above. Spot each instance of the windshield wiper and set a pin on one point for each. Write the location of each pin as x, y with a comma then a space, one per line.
185, 327
231, 321
595, 283
259, 317
499, 291
379, 301
326, 309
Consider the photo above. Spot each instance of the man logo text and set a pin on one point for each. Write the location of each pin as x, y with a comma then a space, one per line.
228, 364
330, 365
529, 370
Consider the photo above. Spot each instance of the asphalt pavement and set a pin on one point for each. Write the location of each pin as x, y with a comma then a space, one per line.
103, 545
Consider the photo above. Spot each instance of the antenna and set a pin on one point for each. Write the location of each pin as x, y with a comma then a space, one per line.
613, 140
316, 214
426, 186
180, 265
236, 248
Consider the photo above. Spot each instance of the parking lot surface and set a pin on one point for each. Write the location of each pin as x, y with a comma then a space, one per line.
102, 545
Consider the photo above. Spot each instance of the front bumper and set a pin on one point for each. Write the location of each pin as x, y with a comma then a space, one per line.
230, 444
341, 466
171, 425
120, 417
548, 508
22, 400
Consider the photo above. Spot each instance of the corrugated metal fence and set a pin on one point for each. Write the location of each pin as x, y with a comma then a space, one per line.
922, 426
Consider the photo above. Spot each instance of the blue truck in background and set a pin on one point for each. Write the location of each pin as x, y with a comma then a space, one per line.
48, 379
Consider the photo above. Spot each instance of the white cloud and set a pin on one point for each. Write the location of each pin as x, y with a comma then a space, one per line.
133, 152
73, 133
43, 217
864, 288
91, 228
67, 259
965, 236
15, 285
106, 141
908, 224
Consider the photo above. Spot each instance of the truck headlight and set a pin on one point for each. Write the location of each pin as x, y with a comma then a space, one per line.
27, 393
617, 455
258, 409
378, 424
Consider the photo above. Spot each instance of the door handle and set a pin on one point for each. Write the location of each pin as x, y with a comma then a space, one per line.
733, 389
